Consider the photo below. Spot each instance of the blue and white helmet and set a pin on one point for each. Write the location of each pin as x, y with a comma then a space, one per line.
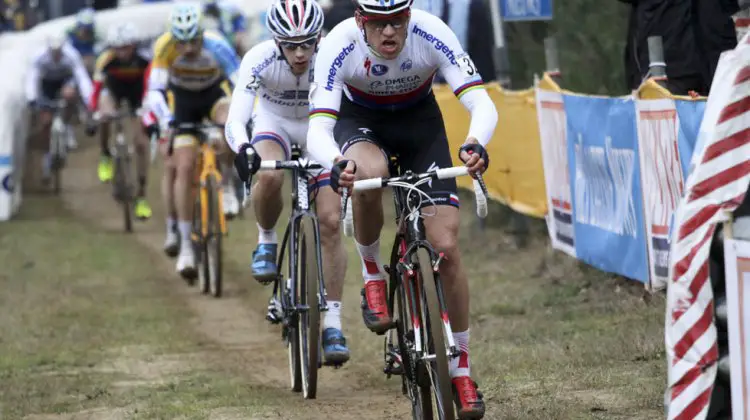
383, 7
301, 19
185, 22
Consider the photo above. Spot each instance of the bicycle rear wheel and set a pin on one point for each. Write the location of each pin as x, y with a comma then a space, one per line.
434, 339
55, 159
308, 280
214, 257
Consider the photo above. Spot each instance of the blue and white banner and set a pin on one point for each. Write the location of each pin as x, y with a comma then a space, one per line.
603, 161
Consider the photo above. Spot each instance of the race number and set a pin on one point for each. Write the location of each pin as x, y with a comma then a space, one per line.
254, 83
466, 65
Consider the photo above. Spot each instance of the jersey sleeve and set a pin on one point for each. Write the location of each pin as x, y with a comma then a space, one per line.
159, 76
325, 97
83, 81
32, 79
224, 54
243, 97
463, 77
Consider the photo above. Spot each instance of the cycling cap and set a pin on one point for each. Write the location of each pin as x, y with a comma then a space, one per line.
383, 7
185, 22
294, 18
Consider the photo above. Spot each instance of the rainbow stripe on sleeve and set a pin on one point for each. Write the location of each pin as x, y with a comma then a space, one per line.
324, 112
463, 89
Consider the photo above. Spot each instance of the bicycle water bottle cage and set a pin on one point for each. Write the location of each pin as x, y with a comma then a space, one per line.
296, 152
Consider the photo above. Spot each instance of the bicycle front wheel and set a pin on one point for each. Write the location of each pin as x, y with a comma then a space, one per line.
123, 190
308, 280
433, 333
214, 257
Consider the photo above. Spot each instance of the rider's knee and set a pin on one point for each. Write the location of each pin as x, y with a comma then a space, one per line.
68, 92
330, 224
445, 239
270, 180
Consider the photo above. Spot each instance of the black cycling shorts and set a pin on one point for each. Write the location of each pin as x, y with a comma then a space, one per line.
415, 137
50, 88
132, 95
189, 106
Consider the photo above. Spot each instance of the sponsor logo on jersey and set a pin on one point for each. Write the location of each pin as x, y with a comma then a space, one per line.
439, 44
336, 65
406, 65
395, 86
368, 64
379, 69
264, 64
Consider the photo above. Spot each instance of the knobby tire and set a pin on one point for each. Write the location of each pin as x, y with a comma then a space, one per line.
435, 339
308, 279
213, 248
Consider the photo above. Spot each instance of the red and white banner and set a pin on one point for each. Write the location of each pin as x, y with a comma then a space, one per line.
737, 259
553, 134
715, 187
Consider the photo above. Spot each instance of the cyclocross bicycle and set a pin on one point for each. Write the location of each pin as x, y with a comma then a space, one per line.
124, 179
420, 342
300, 291
58, 149
209, 224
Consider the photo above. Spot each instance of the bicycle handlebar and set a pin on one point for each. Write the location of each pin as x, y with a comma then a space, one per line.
480, 189
188, 126
54, 104
274, 165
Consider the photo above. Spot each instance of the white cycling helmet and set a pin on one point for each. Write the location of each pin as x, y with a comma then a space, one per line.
56, 42
85, 17
123, 35
294, 19
185, 22
383, 7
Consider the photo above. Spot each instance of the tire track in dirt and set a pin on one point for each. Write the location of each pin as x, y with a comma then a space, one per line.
244, 337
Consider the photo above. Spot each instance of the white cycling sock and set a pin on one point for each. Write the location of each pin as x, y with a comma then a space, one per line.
185, 228
332, 318
267, 236
460, 366
171, 225
370, 256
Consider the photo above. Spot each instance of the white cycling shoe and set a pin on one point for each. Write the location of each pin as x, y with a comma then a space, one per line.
71, 140
172, 244
231, 204
186, 264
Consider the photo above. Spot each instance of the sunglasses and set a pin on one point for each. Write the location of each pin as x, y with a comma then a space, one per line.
380, 23
194, 42
292, 46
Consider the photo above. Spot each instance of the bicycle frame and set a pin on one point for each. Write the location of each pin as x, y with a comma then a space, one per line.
207, 165
410, 236
301, 208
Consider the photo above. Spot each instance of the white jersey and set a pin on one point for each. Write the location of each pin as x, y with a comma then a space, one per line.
264, 74
44, 69
345, 64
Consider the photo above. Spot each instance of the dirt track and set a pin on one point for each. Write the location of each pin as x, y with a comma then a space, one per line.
238, 328
549, 341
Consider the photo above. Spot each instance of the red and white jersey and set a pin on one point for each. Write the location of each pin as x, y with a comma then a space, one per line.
346, 64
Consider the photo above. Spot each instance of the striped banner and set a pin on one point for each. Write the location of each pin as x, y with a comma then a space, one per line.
715, 187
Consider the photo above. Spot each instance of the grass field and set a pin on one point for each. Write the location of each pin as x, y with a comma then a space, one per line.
96, 325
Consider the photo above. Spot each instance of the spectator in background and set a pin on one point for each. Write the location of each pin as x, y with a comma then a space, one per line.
694, 33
